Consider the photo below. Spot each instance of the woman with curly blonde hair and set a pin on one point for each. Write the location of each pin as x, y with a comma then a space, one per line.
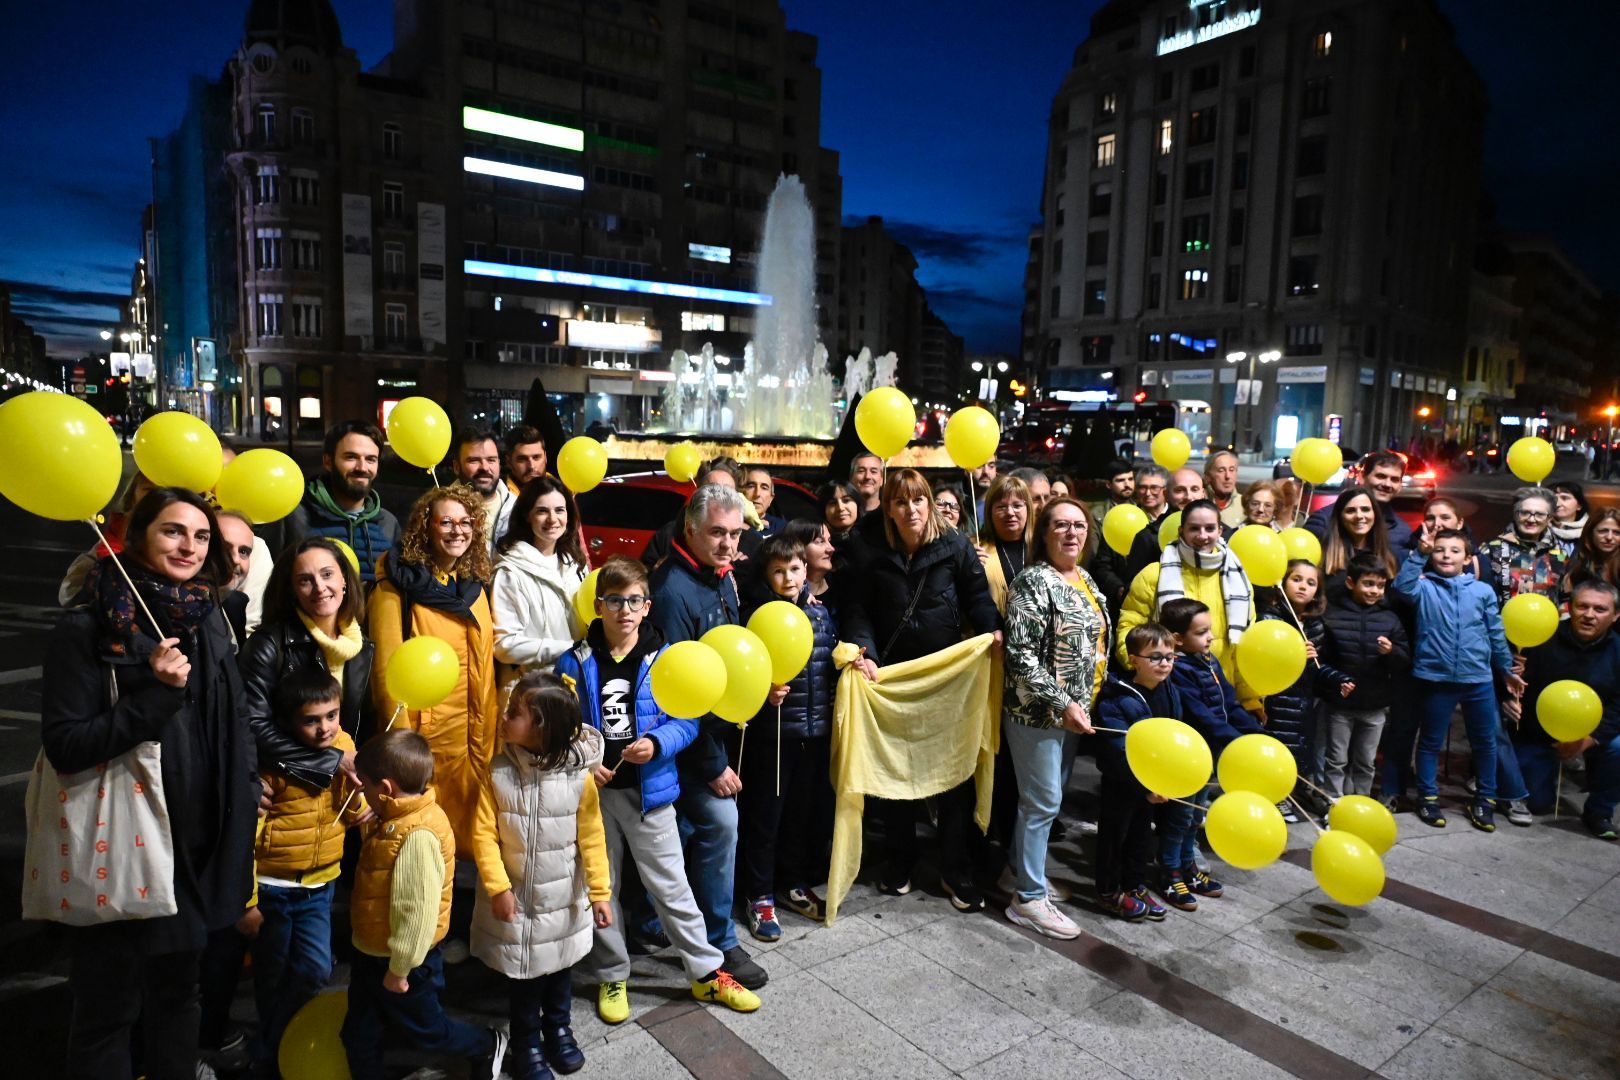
436, 584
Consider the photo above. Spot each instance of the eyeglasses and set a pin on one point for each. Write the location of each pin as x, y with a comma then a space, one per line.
1158, 658
1531, 515
1067, 526
455, 525
620, 603
946, 504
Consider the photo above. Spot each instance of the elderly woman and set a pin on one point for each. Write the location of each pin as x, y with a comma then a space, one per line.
1004, 534
542, 565
436, 584
1260, 504
1057, 654
114, 680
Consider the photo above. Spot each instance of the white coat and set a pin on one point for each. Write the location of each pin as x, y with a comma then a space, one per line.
533, 600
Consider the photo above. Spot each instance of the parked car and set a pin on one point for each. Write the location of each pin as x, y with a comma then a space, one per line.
622, 512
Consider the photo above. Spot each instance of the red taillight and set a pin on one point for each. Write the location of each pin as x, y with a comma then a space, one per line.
1490, 453
1426, 475
1050, 442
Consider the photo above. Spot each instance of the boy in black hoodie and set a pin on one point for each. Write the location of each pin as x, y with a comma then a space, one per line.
1365, 640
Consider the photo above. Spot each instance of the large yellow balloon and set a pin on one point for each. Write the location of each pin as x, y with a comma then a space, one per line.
1169, 529
1366, 818
175, 449
419, 431
748, 672
1316, 460
687, 679
59, 457
585, 600
1246, 830
1529, 619
1271, 656
1347, 868
262, 483
1301, 544
311, 1048
1531, 459
1262, 554
885, 421
582, 463
422, 672
1568, 710
348, 553
1121, 524
1168, 757
1171, 448
682, 461
1261, 764
971, 436
788, 636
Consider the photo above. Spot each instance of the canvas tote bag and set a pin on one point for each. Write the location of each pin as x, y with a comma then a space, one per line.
99, 844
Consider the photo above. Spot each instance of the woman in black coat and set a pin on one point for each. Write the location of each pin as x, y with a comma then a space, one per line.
920, 589
312, 609
113, 680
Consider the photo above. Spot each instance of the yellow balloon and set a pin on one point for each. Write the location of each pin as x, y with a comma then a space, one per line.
687, 679
1531, 459
1245, 830
175, 449
748, 672
582, 463
1529, 619
1301, 544
971, 436
59, 457
1261, 764
422, 672
348, 553
682, 461
885, 421
1271, 656
585, 600
785, 629
1568, 710
1171, 448
1169, 529
311, 1048
1121, 524
1347, 868
1261, 552
262, 483
1316, 460
1366, 818
419, 431
1168, 757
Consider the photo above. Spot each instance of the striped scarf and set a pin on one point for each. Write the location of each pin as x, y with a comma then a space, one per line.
1236, 591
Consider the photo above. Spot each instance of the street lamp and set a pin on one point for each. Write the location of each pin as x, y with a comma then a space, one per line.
106, 335
977, 366
1608, 444
1270, 356
1001, 365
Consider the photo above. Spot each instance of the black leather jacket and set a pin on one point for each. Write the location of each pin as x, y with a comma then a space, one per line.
275, 650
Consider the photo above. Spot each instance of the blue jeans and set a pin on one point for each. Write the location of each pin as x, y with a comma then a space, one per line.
539, 1005
417, 1013
1037, 757
1178, 831
1436, 701
1400, 732
1510, 785
709, 834
292, 958
1540, 764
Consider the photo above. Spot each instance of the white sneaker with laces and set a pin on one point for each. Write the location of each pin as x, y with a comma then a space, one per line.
1041, 917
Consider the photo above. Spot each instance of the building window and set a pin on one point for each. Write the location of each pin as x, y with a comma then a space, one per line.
1161, 187
1302, 275
1312, 156
1167, 85
1105, 151
1323, 45
1318, 100
1308, 215
1201, 126
1206, 77
1107, 105
1156, 239
1057, 211
1199, 179
267, 249
393, 199
306, 188
1167, 136
269, 309
1195, 233
703, 320
1056, 301
267, 186
306, 317
1057, 254
394, 260
393, 141
1245, 116
1194, 284
1096, 297
306, 250
394, 316
1305, 339
473, 349
1102, 198
1232, 287
1097, 350
303, 126
1246, 62
267, 123
1237, 226
1240, 172
1155, 290
519, 352
1096, 249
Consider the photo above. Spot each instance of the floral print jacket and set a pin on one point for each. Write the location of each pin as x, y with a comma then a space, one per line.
1056, 646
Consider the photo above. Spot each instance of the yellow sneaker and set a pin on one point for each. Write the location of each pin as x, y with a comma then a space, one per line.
613, 1002
724, 990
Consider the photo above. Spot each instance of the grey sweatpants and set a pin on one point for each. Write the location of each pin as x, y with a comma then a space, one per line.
655, 845
1352, 747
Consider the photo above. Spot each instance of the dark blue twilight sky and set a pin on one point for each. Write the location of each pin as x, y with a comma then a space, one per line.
938, 109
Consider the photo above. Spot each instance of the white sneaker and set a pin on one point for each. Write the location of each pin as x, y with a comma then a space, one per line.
1008, 885
453, 950
1041, 917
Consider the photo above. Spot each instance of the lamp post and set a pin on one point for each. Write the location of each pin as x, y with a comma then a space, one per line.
1269, 356
1608, 442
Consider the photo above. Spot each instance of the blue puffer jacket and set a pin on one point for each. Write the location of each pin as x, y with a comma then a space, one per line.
1209, 702
1121, 704
1459, 627
807, 709
660, 784
1291, 713
370, 532
689, 600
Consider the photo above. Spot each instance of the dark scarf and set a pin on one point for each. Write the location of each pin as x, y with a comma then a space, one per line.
420, 585
181, 607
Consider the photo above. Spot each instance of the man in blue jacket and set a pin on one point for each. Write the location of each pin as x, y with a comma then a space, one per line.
1587, 650
342, 503
1381, 473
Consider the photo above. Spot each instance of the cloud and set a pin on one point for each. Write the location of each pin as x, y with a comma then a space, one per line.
962, 247
40, 296
965, 296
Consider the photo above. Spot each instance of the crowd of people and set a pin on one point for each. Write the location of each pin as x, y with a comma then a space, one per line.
547, 817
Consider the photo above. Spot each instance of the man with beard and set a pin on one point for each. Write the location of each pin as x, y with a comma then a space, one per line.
341, 503
525, 456
478, 465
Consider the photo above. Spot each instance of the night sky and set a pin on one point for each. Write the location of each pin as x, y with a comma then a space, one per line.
939, 114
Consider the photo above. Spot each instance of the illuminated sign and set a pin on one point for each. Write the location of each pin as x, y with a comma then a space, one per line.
480, 268
516, 127
622, 337
709, 253
1242, 20
509, 171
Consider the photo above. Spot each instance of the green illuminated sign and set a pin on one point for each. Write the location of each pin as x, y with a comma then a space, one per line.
516, 127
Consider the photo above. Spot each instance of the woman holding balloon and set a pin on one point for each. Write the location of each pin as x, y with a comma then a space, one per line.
542, 566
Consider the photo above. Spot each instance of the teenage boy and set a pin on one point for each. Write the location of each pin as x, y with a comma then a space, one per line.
1365, 640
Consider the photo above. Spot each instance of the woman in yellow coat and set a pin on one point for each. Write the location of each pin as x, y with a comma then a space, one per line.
1198, 566
1004, 535
436, 583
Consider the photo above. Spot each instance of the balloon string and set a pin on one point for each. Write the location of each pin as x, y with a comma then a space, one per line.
434, 473
1558, 793
1289, 604
161, 633
1302, 813
742, 744
1331, 798
1302, 512
778, 750
973, 502
397, 710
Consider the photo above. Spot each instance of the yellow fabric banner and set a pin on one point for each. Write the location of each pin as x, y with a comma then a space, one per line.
924, 727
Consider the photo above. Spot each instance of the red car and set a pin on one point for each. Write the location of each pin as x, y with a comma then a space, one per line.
622, 512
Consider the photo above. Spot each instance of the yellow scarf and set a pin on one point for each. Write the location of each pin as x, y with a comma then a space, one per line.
337, 650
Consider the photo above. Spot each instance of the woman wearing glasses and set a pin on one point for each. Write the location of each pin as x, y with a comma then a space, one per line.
1057, 655
948, 501
542, 564
436, 583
